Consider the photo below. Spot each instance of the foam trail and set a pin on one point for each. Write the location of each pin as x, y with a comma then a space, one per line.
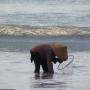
24, 30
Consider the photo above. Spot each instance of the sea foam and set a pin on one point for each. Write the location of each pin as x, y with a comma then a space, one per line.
23, 30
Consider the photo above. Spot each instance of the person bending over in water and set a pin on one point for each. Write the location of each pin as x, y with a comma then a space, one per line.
47, 54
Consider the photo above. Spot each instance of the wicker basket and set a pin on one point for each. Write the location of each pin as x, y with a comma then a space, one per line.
60, 51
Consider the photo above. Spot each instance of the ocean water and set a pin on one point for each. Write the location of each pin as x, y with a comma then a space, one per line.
45, 13
45, 18
24, 44
25, 23
16, 69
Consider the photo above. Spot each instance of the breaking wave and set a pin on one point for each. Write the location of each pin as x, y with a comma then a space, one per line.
23, 30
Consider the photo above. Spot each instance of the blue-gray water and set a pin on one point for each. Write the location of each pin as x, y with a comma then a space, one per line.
64, 21
16, 70
45, 13
24, 44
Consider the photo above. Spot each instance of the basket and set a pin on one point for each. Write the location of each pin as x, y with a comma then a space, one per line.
60, 51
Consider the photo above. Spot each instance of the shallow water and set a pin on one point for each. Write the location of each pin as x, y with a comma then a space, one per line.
24, 44
17, 19
16, 72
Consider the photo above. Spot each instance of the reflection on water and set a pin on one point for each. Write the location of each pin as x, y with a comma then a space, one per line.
77, 66
44, 76
7, 89
49, 84
47, 81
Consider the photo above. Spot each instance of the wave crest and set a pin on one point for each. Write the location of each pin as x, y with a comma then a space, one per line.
15, 30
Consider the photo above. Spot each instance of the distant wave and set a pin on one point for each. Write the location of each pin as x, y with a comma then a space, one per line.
23, 30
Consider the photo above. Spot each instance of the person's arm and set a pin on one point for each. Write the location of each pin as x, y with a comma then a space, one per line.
59, 60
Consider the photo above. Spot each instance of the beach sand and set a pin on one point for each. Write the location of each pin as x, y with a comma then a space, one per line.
16, 73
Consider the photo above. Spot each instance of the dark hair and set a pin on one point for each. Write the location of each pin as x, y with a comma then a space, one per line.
34, 55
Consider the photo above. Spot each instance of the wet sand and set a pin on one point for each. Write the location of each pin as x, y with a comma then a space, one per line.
16, 73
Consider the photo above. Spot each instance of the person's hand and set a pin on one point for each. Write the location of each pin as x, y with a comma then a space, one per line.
60, 61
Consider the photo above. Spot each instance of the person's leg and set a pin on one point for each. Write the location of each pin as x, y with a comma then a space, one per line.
50, 66
47, 67
44, 67
48, 73
37, 66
